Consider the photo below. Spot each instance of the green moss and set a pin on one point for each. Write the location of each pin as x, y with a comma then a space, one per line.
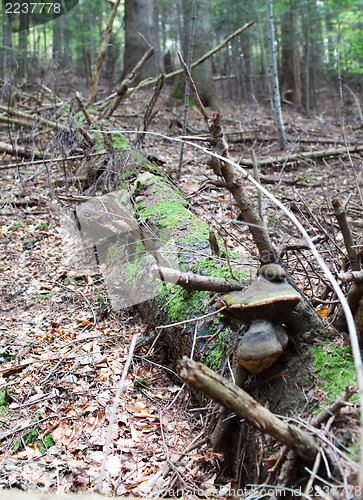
181, 304
335, 366
215, 357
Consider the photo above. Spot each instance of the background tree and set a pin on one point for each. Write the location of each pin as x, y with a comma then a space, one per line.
138, 20
202, 74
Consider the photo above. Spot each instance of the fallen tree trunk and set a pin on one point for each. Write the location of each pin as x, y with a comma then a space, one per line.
146, 226
304, 155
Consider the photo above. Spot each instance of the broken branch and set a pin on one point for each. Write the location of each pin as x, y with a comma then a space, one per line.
191, 281
234, 398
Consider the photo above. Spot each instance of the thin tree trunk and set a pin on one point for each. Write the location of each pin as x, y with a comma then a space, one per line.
102, 51
274, 75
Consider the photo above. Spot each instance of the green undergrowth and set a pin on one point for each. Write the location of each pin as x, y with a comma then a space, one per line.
31, 436
334, 365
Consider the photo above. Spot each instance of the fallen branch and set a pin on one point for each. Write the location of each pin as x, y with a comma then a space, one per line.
125, 84
102, 51
152, 81
234, 398
53, 125
191, 281
301, 156
48, 159
22, 151
226, 171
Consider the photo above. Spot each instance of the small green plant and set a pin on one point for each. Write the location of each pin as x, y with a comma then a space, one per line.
29, 436
46, 443
335, 366
14, 226
42, 296
4, 401
42, 225
271, 221
304, 178
140, 384
6, 356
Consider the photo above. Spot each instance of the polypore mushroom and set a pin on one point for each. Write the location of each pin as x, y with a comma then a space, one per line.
261, 346
263, 299
267, 300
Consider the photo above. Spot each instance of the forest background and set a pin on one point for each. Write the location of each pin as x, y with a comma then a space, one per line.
306, 40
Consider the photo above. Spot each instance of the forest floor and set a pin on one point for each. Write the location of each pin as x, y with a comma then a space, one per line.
63, 348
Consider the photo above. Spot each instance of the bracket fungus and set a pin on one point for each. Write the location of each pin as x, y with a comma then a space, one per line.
264, 304
261, 345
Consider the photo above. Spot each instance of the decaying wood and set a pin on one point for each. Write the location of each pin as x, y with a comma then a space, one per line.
22, 151
351, 276
35, 118
125, 84
347, 235
302, 156
191, 281
232, 397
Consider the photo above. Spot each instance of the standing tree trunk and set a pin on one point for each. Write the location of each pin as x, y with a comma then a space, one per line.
287, 58
6, 63
274, 75
138, 19
66, 38
57, 39
202, 74
23, 48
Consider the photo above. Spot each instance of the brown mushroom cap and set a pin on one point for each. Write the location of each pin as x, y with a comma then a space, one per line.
273, 272
261, 346
263, 299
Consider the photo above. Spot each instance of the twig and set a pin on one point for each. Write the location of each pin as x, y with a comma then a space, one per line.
334, 408
303, 155
112, 417
47, 160
149, 112
162, 327
257, 176
151, 81
102, 51
221, 168
22, 152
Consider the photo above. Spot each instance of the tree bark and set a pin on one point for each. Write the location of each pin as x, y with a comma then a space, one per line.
202, 74
274, 76
138, 19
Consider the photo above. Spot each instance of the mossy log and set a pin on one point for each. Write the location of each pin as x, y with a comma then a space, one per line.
150, 223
